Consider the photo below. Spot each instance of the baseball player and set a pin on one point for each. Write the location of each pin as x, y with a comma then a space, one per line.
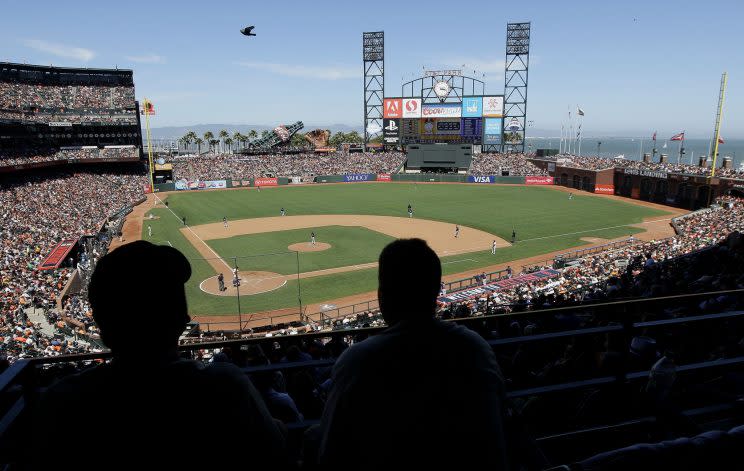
457, 231
514, 236
282, 212
236, 277
224, 221
410, 211
221, 282
184, 220
149, 231
442, 289
312, 238
570, 196
493, 248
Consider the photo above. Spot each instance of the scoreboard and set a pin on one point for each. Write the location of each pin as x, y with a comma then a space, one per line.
475, 120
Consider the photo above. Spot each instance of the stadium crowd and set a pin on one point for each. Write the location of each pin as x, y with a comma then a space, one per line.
302, 165
22, 95
119, 117
37, 213
600, 163
39, 153
499, 164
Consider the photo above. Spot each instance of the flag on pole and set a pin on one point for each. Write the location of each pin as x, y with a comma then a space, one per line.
579, 111
678, 137
720, 140
654, 136
148, 107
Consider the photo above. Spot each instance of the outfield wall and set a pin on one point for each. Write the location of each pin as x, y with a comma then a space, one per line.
423, 178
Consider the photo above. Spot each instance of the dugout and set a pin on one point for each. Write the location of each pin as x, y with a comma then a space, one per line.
439, 158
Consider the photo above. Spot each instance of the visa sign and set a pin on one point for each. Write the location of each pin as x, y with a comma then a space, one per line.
481, 179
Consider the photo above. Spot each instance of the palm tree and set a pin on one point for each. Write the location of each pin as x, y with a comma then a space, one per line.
224, 135
252, 134
228, 143
214, 143
298, 140
237, 137
198, 141
353, 137
208, 136
264, 133
186, 140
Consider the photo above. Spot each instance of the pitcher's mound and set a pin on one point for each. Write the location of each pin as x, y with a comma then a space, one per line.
251, 282
308, 247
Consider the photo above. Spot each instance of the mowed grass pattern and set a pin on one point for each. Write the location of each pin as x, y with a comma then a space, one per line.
544, 218
268, 251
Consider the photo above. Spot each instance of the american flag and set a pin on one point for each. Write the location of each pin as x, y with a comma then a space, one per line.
720, 140
678, 137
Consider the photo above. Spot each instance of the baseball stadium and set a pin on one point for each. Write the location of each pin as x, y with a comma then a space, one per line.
329, 296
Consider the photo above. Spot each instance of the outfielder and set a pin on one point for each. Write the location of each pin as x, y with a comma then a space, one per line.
224, 221
282, 212
312, 238
149, 231
457, 231
410, 211
493, 248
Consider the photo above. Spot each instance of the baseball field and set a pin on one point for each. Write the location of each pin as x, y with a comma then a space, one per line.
278, 264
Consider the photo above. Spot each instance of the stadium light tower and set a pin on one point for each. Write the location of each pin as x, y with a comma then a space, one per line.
373, 57
515, 84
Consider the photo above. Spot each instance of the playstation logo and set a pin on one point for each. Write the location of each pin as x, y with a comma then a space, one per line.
391, 126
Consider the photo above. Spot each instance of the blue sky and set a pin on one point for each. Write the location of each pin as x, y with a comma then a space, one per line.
633, 66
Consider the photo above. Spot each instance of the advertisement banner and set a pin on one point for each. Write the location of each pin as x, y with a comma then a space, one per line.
392, 108
493, 106
551, 167
391, 131
384, 177
265, 182
472, 127
604, 189
184, 184
411, 108
538, 180
481, 179
445, 110
472, 107
146, 188
359, 177
492, 131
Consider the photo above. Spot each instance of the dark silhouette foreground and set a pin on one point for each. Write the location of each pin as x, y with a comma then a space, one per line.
148, 406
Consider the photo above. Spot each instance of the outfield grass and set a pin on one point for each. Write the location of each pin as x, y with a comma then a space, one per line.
544, 218
268, 251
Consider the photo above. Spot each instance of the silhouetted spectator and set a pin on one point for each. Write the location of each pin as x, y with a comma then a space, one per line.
145, 403
423, 392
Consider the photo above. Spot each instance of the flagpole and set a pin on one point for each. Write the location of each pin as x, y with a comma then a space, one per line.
560, 142
640, 156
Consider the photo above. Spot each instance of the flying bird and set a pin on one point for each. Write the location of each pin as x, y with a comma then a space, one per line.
247, 31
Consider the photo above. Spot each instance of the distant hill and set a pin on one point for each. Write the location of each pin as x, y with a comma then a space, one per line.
176, 132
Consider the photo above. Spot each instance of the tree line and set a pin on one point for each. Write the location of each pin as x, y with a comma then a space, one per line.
224, 142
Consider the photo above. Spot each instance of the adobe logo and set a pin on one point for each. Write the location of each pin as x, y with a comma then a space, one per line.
392, 108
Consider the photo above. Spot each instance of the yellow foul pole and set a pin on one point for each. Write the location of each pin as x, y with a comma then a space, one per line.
719, 117
146, 107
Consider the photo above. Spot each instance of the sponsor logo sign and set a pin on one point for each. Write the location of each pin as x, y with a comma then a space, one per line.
392, 108
200, 184
604, 189
551, 167
492, 131
481, 179
445, 110
265, 181
359, 177
644, 173
472, 107
391, 131
411, 108
493, 106
538, 180
236, 183
384, 177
